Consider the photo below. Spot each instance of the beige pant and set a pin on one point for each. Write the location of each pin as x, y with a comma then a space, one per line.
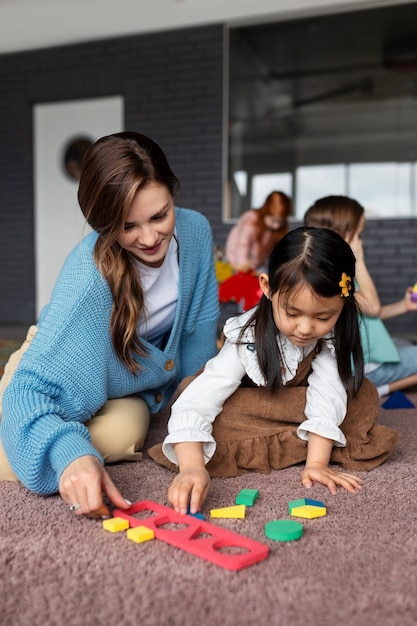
117, 431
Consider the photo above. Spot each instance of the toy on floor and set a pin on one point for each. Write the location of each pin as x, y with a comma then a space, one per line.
196, 537
398, 400
304, 502
247, 496
140, 534
308, 511
283, 530
115, 524
235, 512
198, 514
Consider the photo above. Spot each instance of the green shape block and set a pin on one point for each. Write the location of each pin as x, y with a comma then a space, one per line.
247, 496
283, 530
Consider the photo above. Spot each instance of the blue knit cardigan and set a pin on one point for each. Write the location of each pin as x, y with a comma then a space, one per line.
70, 370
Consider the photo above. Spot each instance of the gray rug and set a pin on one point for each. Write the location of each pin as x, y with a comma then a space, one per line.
356, 566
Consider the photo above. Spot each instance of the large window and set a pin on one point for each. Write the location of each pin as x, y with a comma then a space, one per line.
325, 105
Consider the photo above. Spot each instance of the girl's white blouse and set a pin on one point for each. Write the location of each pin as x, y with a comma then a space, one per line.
195, 410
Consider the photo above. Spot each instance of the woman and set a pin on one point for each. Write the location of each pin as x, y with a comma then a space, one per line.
134, 310
252, 240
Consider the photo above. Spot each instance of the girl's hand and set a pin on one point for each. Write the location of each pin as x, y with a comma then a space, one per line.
330, 478
410, 305
82, 484
191, 484
357, 248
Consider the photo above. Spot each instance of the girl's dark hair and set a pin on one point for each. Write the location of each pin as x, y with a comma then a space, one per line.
316, 257
114, 169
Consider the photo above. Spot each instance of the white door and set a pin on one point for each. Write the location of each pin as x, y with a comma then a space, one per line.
59, 223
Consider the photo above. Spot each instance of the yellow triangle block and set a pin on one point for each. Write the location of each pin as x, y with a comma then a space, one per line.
237, 511
308, 511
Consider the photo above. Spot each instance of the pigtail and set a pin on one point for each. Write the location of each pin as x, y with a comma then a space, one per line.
269, 357
348, 345
265, 332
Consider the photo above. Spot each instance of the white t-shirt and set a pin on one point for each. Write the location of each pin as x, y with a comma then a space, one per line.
160, 289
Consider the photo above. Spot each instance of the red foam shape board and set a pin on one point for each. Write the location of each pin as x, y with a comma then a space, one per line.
208, 546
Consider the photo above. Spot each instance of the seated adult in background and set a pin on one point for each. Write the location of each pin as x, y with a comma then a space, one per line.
133, 312
252, 239
391, 368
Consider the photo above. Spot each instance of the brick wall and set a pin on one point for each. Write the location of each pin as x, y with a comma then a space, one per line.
172, 84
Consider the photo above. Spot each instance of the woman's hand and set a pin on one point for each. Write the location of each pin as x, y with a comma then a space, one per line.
330, 478
82, 485
191, 484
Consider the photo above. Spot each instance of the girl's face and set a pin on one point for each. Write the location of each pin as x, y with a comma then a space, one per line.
149, 225
304, 317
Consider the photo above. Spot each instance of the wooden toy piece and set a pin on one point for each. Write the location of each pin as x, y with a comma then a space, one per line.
140, 534
303, 502
284, 530
197, 537
398, 400
115, 524
198, 514
235, 512
247, 496
308, 511
413, 294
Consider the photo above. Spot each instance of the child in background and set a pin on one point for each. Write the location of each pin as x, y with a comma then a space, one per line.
388, 367
288, 384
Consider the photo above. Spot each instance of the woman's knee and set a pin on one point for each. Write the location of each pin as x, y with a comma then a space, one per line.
14, 360
118, 431
6, 472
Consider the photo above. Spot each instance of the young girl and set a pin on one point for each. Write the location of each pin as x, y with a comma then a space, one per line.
134, 310
303, 332
389, 367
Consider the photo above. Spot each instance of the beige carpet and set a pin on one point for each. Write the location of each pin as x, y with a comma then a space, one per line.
355, 567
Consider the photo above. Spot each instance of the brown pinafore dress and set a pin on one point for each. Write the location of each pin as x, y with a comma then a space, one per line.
257, 430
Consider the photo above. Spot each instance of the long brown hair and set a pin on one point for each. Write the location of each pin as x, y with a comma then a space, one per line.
277, 204
114, 169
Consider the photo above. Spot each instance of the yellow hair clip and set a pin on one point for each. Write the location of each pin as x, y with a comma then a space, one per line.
346, 285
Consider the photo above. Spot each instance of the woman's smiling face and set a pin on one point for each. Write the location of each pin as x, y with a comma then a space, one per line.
149, 225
